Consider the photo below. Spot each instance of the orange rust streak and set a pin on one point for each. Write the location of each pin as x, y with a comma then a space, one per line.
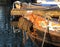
36, 20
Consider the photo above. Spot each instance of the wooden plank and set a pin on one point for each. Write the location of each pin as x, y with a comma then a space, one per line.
53, 13
41, 39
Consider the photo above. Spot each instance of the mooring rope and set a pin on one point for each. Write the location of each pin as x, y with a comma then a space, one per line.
44, 38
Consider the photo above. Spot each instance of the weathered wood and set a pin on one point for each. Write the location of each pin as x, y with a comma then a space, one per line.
25, 25
53, 13
39, 39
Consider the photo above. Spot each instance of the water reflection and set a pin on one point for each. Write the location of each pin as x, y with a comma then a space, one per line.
2, 17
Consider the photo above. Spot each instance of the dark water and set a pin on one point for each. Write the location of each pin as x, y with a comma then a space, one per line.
2, 18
